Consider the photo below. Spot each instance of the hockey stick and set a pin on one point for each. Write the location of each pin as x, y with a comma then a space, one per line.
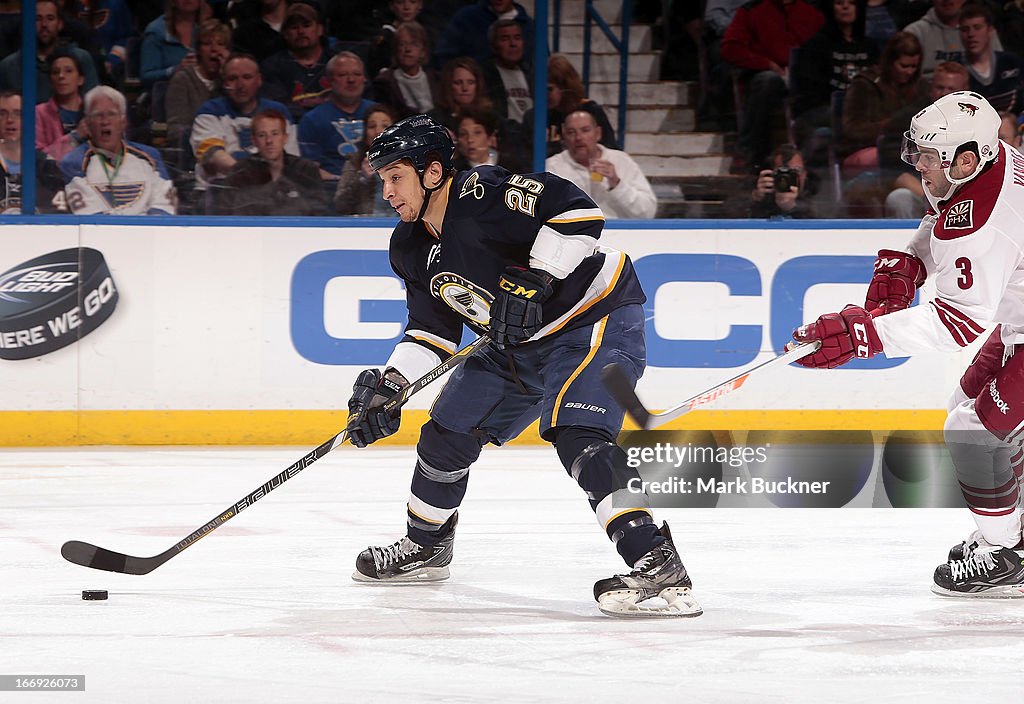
102, 559
621, 388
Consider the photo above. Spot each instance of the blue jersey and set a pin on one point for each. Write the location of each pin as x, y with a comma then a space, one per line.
497, 219
328, 135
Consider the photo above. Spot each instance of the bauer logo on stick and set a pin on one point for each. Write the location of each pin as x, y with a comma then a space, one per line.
53, 300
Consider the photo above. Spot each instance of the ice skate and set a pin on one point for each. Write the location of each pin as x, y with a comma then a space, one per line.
658, 586
406, 562
988, 573
975, 541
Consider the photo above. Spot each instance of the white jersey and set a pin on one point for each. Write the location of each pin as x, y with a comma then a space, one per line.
973, 249
135, 184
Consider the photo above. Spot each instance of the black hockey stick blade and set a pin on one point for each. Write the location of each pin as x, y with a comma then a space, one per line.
98, 558
619, 386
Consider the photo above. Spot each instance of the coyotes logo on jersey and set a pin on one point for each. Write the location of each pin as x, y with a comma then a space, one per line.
968, 108
960, 216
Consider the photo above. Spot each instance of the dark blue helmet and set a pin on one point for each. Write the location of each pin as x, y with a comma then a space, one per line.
419, 138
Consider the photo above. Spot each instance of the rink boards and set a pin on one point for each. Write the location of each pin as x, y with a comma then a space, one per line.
251, 331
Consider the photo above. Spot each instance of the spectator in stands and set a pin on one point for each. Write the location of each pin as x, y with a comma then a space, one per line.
382, 46
272, 182
222, 128
169, 41
1008, 131
330, 133
781, 191
610, 177
905, 194
827, 63
359, 189
110, 175
59, 124
939, 34
566, 95
462, 86
409, 86
996, 75
716, 110
260, 34
874, 97
48, 27
1010, 25
195, 84
48, 178
297, 76
508, 72
758, 41
466, 33
476, 140
114, 26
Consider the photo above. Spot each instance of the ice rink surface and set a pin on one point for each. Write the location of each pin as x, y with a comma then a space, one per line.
800, 604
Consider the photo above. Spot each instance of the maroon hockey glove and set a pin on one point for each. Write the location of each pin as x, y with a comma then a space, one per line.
844, 335
517, 310
897, 277
367, 422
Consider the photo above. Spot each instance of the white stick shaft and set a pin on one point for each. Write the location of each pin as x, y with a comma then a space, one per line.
716, 392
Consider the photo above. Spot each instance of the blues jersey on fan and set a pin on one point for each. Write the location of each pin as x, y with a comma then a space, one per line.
497, 219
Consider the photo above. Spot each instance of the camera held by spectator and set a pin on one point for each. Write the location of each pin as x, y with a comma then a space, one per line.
782, 188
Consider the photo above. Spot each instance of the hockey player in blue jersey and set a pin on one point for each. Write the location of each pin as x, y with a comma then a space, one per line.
515, 257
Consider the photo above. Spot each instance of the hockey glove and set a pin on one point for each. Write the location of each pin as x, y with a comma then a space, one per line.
367, 421
517, 310
844, 335
897, 277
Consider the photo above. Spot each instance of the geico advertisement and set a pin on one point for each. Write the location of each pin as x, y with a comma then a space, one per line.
228, 318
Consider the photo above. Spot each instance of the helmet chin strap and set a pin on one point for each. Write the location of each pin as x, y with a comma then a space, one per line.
427, 192
954, 183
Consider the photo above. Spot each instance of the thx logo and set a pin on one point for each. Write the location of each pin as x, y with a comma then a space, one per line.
1003, 407
960, 216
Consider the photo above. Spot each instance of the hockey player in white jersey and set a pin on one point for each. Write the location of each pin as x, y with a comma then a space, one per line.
108, 174
971, 246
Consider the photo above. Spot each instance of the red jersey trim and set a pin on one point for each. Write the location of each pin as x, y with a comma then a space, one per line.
972, 205
962, 328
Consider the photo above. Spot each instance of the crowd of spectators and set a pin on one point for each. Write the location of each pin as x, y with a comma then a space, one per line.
231, 106
833, 84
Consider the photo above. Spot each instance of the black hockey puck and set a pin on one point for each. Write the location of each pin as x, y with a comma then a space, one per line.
52, 301
94, 594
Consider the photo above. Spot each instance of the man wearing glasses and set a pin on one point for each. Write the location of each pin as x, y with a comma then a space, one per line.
109, 174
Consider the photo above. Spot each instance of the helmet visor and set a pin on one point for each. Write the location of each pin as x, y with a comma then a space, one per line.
913, 153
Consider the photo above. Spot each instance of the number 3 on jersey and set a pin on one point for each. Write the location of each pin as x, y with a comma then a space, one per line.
518, 198
966, 278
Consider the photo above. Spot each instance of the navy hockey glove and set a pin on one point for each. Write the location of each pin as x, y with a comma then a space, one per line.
517, 310
367, 421
897, 277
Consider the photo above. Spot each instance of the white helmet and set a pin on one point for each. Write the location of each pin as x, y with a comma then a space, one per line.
949, 123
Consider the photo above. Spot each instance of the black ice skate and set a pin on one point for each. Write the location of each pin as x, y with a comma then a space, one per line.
967, 547
659, 573
996, 573
407, 562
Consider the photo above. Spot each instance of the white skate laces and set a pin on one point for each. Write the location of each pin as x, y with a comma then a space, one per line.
978, 564
384, 557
